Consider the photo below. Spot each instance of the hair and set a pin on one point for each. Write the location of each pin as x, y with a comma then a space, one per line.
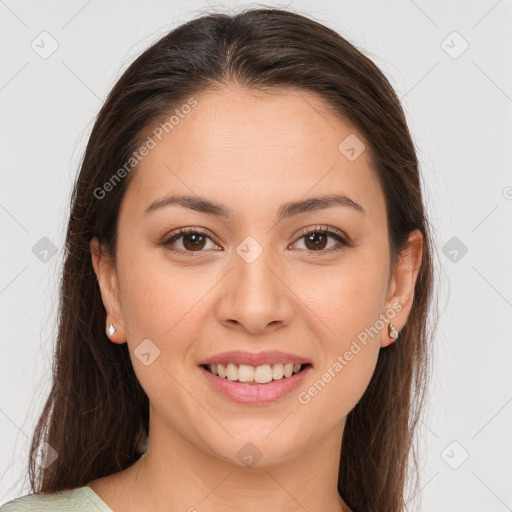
96, 415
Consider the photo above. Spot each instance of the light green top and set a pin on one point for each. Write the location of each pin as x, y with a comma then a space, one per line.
81, 499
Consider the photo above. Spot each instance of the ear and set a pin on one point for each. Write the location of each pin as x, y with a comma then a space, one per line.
105, 271
401, 286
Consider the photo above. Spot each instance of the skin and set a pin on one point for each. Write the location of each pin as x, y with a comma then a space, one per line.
250, 151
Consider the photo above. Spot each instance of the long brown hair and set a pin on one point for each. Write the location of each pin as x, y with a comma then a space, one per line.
96, 415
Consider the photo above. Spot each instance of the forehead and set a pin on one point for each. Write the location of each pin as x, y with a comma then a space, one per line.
247, 148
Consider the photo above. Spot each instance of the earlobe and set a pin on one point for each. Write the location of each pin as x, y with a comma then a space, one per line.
107, 281
402, 287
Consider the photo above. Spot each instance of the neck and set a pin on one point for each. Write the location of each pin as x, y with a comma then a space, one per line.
175, 474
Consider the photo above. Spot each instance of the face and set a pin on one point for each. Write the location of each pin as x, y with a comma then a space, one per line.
312, 283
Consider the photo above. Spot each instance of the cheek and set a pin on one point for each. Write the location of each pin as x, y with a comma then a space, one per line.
349, 301
163, 305
339, 385
348, 298
159, 299
349, 346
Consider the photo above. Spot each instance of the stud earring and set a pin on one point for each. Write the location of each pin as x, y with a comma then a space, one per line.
111, 329
393, 333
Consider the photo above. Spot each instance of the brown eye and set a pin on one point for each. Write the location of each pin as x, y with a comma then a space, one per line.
195, 240
192, 240
317, 240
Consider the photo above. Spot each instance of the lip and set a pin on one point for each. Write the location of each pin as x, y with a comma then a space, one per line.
239, 357
255, 393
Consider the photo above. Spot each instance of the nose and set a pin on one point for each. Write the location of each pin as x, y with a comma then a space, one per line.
255, 296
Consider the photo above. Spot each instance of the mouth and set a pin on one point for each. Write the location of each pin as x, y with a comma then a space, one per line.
255, 378
255, 385
255, 375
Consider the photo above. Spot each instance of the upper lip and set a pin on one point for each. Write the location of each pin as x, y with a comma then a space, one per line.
239, 357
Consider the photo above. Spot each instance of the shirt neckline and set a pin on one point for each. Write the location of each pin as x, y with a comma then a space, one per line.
96, 498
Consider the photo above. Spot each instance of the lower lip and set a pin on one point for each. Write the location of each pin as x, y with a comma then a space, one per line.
255, 393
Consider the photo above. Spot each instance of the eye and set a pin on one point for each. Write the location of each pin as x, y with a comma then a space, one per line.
316, 239
194, 240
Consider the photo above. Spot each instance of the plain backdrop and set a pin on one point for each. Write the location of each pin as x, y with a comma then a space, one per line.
450, 63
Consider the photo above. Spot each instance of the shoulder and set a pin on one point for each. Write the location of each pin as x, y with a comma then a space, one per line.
81, 499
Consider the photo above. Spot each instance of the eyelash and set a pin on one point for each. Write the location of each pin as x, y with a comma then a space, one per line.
303, 233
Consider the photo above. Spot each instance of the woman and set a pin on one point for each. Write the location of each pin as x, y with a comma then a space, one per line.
247, 283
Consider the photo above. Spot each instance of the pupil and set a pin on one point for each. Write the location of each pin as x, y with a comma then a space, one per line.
313, 237
197, 239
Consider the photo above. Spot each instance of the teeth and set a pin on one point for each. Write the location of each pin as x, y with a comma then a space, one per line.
231, 372
288, 369
245, 373
259, 374
277, 371
263, 374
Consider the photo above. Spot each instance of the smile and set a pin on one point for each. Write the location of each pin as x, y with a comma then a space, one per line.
254, 374
252, 392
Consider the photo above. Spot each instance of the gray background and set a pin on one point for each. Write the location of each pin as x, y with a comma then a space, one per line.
458, 107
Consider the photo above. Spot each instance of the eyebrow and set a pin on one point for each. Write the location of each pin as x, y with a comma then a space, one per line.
286, 210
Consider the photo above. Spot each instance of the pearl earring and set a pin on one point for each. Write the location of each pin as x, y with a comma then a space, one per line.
393, 333
111, 329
